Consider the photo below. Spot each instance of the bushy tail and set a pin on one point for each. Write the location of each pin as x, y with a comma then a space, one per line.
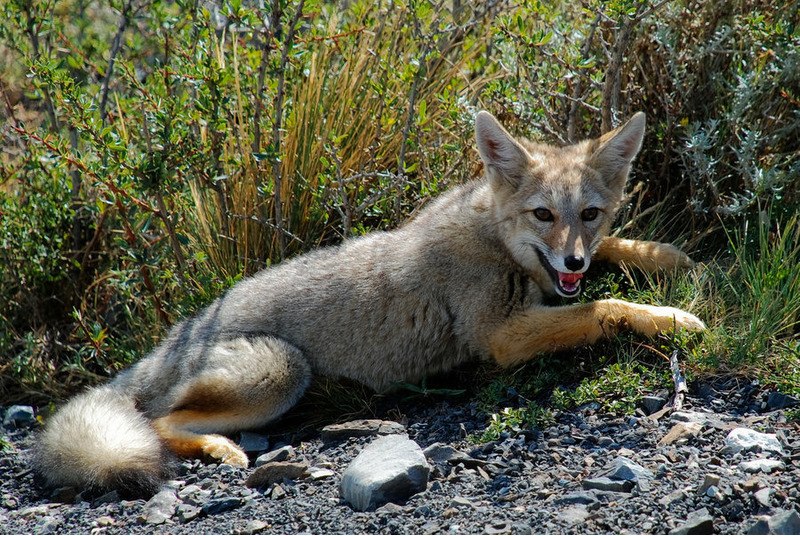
99, 440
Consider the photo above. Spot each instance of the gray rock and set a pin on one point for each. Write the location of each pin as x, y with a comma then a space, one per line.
711, 480
223, 504
681, 430
275, 472
699, 522
584, 498
187, 512
763, 496
277, 455
159, 508
336, 433
776, 400
250, 442
782, 522
47, 525
604, 483
762, 465
651, 404
254, 526
574, 515
390, 469
745, 439
319, 473
622, 468
18, 416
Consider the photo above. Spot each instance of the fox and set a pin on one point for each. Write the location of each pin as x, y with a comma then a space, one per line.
466, 279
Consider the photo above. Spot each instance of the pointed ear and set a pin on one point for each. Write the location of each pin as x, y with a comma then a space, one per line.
614, 151
502, 155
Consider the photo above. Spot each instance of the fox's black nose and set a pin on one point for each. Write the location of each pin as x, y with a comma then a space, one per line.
573, 263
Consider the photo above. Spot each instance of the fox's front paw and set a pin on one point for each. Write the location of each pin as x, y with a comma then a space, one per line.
671, 258
656, 320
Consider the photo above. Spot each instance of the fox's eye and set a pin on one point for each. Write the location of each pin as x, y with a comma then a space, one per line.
543, 214
589, 214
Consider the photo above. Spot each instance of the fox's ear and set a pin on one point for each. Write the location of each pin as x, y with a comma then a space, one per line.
614, 151
502, 155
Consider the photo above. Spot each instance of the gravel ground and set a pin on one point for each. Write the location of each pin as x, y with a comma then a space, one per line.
545, 481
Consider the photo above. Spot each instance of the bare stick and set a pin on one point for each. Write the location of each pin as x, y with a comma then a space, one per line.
679, 380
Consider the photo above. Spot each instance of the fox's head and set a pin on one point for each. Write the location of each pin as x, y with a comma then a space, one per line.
555, 204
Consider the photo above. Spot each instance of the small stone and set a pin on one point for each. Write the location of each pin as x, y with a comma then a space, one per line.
254, 526
574, 515
336, 433
699, 522
689, 416
318, 473
675, 496
681, 430
605, 441
762, 465
104, 521
579, 497
713, 492
277, 455
461, 502
709, 481
18, 417
622, 468
159, 508
763, 496
223, 504
390, 469
744, 439
274, 472
277, 493
250, 442
187, 512
651, 404
604, 483
48, 525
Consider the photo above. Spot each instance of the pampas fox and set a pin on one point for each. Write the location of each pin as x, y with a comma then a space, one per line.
463, 280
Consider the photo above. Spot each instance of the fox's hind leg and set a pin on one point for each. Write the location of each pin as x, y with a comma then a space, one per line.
645, 255
244, 383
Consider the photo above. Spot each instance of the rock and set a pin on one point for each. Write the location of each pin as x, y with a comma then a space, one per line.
762, 465
579, 497
187, 512
681, 430
223, 504
782, 522
651, 404
336, 433
776, 400
689, 416
710, 481
274, 472
18, 417
159, 508
390, 469
277, 455
604, 483
574, 515
318, 473
744, 439
48, 525
254, 526
104, 521
698, 522
763, 496
250, 442
622, 468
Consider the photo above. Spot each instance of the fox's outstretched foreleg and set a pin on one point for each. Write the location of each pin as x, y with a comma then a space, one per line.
645, 255
547, 329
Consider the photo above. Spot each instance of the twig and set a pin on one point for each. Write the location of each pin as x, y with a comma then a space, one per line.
116, 44
679, 380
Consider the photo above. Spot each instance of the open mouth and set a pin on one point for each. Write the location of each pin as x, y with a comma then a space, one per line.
567, 284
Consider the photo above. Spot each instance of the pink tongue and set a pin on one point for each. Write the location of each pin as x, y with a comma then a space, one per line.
569, 278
